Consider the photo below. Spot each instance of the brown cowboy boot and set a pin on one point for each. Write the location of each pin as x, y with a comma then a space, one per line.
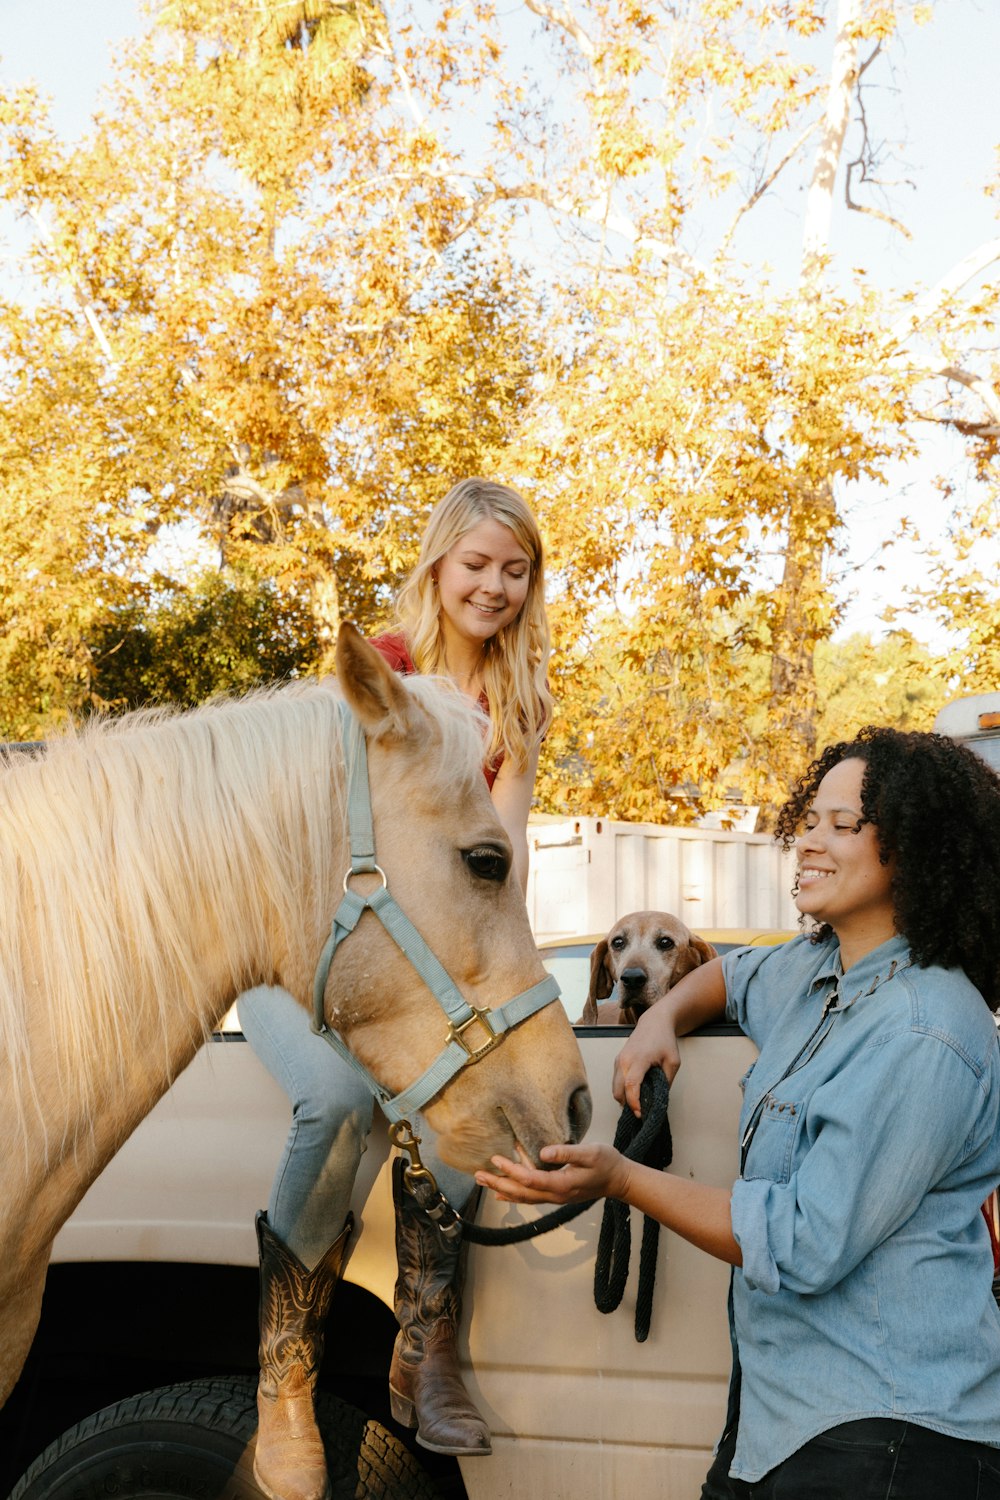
426, 1390
289, 1463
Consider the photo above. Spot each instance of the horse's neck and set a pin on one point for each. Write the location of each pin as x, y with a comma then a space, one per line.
112, 983
163, 1006
59, 1142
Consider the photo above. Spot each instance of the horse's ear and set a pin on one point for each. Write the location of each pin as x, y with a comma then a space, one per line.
372, 689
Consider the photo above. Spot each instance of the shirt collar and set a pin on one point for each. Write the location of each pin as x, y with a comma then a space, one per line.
864, 977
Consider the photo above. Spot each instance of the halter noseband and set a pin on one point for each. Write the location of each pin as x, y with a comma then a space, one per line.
459, 1049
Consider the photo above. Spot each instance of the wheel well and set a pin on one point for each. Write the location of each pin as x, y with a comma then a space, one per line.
112, 1329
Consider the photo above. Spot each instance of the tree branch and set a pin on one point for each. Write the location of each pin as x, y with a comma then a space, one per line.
925, 307
960, 424
769, 181
79, 296
981, 387
562, 17
866, 158
819, 204
866, 208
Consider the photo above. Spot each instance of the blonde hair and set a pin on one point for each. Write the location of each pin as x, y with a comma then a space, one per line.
516, 659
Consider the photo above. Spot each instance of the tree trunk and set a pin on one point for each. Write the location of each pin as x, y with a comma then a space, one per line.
803, 612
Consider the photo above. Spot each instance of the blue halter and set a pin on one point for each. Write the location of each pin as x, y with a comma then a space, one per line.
489, 1026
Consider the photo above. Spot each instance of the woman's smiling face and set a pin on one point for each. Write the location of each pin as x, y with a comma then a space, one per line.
841, 879
483, 581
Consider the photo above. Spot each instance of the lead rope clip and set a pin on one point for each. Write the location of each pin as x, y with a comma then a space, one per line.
420, 1182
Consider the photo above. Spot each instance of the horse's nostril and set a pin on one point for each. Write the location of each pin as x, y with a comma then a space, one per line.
580, 1111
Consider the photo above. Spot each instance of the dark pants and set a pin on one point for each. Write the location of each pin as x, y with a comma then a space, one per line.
875, 1459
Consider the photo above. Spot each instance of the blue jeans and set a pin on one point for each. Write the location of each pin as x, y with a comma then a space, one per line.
878, 1458
331, 1118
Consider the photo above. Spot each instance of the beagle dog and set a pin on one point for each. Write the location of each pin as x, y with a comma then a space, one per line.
642, 956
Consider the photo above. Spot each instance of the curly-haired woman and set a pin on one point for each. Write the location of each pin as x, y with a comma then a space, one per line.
865, 1333
473, 610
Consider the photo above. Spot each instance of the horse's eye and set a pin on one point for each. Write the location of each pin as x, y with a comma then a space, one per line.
488, 862
665, 944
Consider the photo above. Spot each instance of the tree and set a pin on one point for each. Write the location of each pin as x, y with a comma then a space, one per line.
240, 330
510, 239
221, 633
71, 530
891, 681
702, 422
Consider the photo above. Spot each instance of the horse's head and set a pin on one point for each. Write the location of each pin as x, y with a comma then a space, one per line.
448, 864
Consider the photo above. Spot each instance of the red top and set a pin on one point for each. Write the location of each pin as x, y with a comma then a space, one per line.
392, 645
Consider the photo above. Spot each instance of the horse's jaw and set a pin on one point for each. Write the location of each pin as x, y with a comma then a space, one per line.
511, 1098
471, 1145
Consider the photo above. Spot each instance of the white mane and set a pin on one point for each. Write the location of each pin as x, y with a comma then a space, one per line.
127, 835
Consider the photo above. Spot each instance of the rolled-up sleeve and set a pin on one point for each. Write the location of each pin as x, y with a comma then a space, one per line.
749, 1210
856, 1176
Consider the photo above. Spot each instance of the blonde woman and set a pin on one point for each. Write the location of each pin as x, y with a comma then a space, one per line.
473, 610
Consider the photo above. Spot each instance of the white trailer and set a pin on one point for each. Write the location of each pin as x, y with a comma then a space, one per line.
975, 720
585, 873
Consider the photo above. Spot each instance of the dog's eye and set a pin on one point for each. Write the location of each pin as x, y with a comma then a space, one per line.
488, 862
665, 943
617, 943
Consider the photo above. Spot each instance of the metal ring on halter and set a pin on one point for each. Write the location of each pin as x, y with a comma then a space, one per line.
375, 870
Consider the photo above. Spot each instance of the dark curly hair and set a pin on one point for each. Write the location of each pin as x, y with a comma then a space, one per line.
935, 807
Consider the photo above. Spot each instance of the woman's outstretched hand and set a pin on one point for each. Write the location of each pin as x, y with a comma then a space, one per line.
585, 1172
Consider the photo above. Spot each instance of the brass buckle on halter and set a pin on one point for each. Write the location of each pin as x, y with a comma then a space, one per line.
482, 1017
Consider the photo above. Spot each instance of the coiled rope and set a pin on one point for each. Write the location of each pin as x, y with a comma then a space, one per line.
647, 1141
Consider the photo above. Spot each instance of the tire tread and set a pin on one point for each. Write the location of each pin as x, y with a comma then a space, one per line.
367, 1462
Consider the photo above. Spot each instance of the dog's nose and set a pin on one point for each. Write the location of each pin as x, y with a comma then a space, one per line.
632, 980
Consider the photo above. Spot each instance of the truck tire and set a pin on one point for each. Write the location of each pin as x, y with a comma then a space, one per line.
196, 1441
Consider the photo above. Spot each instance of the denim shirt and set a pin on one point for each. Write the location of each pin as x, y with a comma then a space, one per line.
870, 1137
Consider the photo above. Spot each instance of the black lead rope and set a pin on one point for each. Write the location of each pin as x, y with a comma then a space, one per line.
647, 1141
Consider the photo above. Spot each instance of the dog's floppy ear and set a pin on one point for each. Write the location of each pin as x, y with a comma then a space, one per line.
694, 953
601, 980
704, 948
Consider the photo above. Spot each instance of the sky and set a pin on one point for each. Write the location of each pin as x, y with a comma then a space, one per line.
65, 46
939, 120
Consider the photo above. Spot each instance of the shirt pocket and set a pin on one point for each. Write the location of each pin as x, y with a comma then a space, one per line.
773, 1143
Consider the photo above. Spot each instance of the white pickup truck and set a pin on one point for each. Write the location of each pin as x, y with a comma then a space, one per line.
153, 1289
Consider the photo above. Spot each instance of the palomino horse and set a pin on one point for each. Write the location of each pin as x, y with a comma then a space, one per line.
154, 867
